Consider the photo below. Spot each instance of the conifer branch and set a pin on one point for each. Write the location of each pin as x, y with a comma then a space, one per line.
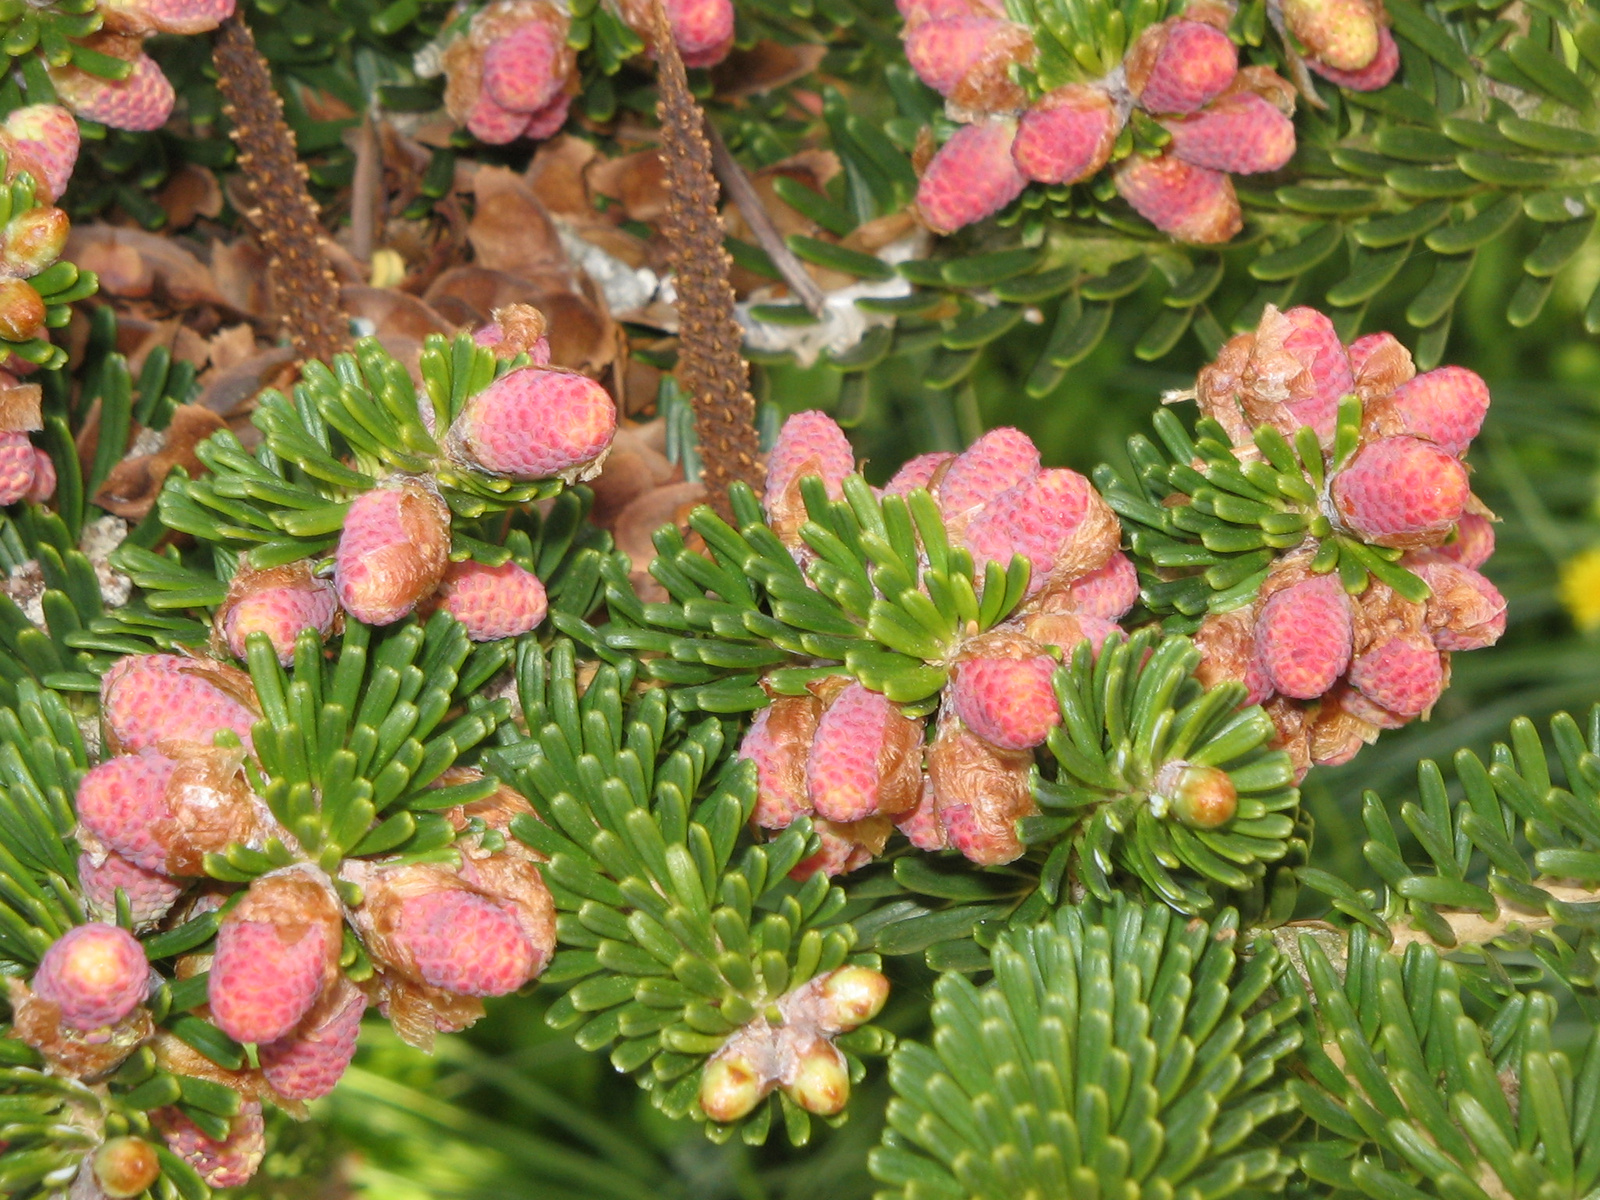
712, 367
305, 290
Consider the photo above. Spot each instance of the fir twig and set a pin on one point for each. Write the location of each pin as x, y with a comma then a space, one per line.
711, 365
743, 193
305, 290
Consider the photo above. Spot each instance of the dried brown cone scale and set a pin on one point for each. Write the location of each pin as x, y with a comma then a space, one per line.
710, 357
305, 290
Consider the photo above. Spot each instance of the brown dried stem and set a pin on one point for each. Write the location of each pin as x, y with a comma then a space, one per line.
711, 365
305, 290
754, 212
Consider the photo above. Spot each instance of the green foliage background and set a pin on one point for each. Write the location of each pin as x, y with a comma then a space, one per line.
514, 1109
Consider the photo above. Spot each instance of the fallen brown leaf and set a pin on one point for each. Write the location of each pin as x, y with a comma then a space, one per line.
134, 264
638, 181
191, 191
130, 490
510, 230
765, 66
556, 176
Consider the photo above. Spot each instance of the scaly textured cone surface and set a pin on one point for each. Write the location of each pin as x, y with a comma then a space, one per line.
1191, 203
149, 698
308, 1063
492, 602
393, 550
1180, 66
1241, 133
150, 894
97, 973
229, 1162
1067, 135
279, 603
537, 423
277, 950
47, 137
972, 176
138, 103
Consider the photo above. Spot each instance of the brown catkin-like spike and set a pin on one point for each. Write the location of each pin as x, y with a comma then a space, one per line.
710, 340
305, 290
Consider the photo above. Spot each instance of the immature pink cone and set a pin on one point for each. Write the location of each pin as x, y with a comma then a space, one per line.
994, 464
865, 759
922, 826
945, 50
1107, 592
1465, 611
544, 123
971, 177
1376, 74
310, 1061
1036, 519
165, 16
150, 894
916, 473
702, 30
124, 1167
141, 102
1006, 701
1473, 544
44, 478
1300, 372
17, 466
1191, 203
1446, 405
1403, 674
1303, 636
97, 973
393, 550
1341, 34
228, 1163
46, 138
537, 423
165, 814
1241, 133
491, 123
465, 943
1180, 66
122, 801
1067, 135
492, 602
810, 443
1401, 491
524, 69
778, 742
147, 698
280, 603
277, 950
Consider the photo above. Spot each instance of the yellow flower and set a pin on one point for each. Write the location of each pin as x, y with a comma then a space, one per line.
1579, 588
